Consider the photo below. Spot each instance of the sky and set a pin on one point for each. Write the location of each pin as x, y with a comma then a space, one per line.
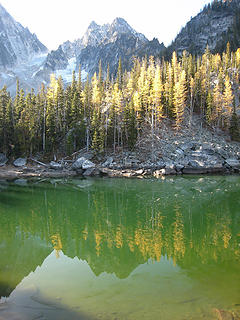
56, 21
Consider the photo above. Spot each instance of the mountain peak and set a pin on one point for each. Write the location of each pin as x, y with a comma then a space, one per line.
120, 25
120, 21
93, 25
3, 11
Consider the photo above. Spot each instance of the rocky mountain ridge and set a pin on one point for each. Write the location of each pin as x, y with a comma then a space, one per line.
16, 42
216, 25
107, 43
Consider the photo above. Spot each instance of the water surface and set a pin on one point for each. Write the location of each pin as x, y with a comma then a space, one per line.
120, 249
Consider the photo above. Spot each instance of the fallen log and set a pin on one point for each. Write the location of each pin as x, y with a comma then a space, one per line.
38, 162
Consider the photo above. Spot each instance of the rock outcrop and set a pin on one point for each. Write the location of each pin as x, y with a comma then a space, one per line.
214, 26
17, 43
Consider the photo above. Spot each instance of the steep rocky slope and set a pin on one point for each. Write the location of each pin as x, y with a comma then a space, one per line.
21, 53
214, 26
16, 42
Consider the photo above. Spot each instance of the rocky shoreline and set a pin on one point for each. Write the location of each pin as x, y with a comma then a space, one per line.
194, 151
200, 161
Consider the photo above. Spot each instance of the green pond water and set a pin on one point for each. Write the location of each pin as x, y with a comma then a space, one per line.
120, 249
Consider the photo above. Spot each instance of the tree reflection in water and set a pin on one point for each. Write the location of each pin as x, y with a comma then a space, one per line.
118, 225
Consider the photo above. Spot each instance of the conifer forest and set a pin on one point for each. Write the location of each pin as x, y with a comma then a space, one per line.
106, 113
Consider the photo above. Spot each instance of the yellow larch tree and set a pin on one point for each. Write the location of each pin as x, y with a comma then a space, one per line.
227, 101
179, 101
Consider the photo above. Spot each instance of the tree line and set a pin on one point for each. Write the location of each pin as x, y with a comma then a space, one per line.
107, 113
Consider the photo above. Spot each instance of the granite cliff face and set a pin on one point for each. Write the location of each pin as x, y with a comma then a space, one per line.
21, 53
214, 26
16, 42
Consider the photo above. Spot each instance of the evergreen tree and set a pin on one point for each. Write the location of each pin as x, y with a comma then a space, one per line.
227, 101
234, 128
112, 113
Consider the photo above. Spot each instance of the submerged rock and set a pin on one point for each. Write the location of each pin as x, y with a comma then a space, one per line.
82, 184
21, 182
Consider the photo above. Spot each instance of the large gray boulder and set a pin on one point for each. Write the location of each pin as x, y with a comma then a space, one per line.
196, 164
20, 162
91, 172
82, 163
87, 164
3, 159
108, 162
233, 163
196, 170
78, 163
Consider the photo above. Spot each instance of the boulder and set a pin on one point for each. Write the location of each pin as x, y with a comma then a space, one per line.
209, 151
164, 172
3, 159
169, 165
196, 164
161, 164
20, 162
90, 172
78, 163
79, 171
179, 152
233, 163
179, 167
216, 169
189, 146
196, 170
108, 162
87, 164
55, 165
127, 163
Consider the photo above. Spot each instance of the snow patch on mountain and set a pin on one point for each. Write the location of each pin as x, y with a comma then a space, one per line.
99, 42
66, 74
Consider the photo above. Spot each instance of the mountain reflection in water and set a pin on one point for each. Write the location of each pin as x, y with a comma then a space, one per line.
77, 242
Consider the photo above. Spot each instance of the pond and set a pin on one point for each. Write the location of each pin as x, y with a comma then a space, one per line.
120, 249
